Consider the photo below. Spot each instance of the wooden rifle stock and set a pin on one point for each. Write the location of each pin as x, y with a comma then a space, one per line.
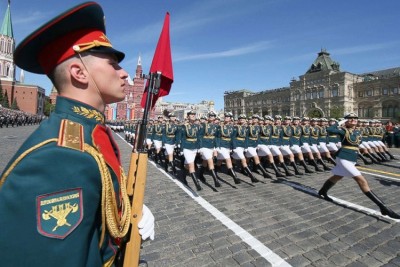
136, 186
129, 253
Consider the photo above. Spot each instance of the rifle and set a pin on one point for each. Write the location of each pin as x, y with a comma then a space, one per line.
129, 252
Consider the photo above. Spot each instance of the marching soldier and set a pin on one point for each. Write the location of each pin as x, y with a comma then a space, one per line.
295, 143
169, 140
224, 145
149, 137
345, 161
263, 150
189, 141
208, 143
240, 137
305, 143
77, 205
314, 142
157, 136
276, 143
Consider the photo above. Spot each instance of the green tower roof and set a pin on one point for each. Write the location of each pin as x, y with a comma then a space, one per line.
324, 62
6, 27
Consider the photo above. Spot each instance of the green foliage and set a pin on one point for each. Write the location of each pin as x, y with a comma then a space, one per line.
1, 95
336, 112
48, 108
315, 113
14, 104
5, 103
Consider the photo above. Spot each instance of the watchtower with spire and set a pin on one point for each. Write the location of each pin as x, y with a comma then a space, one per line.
7, 47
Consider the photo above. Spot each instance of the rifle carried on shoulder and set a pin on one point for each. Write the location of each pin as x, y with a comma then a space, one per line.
129, 253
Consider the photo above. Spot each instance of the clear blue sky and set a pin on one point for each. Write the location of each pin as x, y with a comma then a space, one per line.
220, 45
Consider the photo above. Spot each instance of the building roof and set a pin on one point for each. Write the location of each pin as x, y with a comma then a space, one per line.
384, 73
323, 63
6, 27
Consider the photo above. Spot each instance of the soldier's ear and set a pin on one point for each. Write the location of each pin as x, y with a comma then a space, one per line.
78, 72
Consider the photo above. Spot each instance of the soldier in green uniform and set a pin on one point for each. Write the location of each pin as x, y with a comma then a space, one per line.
169, 140
157, 136
345, 161
63, 199
189, 142
224, 145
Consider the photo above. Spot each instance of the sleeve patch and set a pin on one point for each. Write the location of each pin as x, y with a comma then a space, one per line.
59, 213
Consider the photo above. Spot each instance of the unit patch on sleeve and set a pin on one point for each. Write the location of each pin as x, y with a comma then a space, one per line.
59, 213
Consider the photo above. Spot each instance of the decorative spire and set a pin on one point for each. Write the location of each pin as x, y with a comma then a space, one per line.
21, 75
139, 61
6, 27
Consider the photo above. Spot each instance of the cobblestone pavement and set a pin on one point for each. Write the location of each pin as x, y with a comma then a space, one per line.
271, 223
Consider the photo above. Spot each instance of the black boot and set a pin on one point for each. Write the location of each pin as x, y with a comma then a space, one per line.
331, 160
382, 156
384, 210
248, 172
195, 181
296, 169
390, 155
166, 165
287, 172
201, 174
183, 178
277, 172
326, 168
172, 164
306, 169
364, 159
215, 177
264, 172
323, 192
317, 168
234, 176
377, 159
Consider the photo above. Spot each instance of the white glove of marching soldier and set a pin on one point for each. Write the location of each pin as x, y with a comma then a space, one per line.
342, 122
146, 224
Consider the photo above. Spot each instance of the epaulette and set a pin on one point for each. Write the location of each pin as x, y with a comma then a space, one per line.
71, 135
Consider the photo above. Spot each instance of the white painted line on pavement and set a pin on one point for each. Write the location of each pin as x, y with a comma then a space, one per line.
382, 176
255, 244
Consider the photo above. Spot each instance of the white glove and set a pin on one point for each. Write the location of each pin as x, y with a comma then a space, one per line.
146, 224
340, 123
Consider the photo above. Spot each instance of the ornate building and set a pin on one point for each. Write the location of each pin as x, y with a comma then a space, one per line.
324, 91
28, 98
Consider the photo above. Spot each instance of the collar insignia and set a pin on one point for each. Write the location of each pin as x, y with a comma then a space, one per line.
89, 113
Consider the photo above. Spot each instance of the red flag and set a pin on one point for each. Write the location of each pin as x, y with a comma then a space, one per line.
162, 61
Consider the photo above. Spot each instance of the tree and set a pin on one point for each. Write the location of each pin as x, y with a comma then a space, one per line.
14, 104
5, 102
336, 112
315, 113
48, 108
1, 95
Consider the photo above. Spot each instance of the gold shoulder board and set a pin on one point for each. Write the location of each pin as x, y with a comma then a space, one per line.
71, 135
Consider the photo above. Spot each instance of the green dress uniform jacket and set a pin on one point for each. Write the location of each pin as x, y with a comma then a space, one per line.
265, 135
189, 136
276, 135
296, 135
158, 132
240, 136
254, 135
170, 134
51, 192
314, 135
224, 136
207, 135
351, 138
287, 133
305, 134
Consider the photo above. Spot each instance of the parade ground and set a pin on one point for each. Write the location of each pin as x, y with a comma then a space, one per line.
276, 222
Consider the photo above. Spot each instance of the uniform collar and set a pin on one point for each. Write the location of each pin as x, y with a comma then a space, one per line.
79, 109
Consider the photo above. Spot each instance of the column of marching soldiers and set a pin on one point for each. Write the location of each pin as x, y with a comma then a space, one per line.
250, 145
15, 118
